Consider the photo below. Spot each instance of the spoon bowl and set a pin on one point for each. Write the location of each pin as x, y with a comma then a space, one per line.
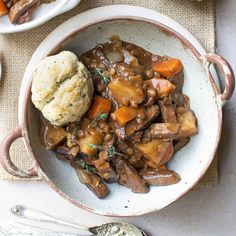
116, 228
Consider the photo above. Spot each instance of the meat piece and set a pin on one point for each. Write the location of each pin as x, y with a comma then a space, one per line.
92, 181
181, 100
151, 113
136, 160
168, 113
53, 136
105, 170
128, 176
187, 121
136, 137
20, 9
157, 152
63, 153
163, 87
180, 143
134, 157
178, 81
164, 130
160, 177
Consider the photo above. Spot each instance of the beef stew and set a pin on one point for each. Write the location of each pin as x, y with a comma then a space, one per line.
138, 119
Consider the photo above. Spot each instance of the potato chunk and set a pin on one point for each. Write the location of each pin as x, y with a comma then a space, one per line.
156, 151
187, 121
126, 92
93, 137
53, 136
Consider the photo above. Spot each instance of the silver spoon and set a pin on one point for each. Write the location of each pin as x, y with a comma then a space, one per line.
113, 228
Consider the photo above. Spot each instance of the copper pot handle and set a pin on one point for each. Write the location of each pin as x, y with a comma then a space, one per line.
5, 158
228, 73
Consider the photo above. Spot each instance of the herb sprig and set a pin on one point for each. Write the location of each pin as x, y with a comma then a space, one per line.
111, 151
88, 168
105, 79
102, 116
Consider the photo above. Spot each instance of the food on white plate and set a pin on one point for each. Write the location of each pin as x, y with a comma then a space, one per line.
20, 11
62, 88
138, 119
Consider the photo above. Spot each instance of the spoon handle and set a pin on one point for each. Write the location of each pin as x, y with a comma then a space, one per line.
27, 213
17, 229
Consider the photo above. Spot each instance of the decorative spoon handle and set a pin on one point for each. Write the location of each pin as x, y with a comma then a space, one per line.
27, 213
16, 229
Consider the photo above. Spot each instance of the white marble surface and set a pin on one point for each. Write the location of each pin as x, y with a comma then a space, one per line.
210, 212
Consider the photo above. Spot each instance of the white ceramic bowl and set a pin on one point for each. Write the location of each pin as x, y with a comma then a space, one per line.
160, 35
43, 14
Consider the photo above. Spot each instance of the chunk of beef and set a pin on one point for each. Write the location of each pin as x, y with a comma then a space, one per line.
178, 81
180, 143
128, 176
168, 113
105, 170
164, 130
134, 126
180, 99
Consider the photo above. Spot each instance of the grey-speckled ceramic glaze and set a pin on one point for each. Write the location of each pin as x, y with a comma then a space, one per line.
160, 35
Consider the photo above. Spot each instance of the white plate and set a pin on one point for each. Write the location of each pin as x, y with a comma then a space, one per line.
43, 14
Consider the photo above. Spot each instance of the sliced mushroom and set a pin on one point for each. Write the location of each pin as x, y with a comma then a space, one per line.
160, 177
92, 181
129, 177
180, 143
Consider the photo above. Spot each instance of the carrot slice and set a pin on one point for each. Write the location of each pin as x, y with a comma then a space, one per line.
100, 105
125, 114
168, 68
3, 8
